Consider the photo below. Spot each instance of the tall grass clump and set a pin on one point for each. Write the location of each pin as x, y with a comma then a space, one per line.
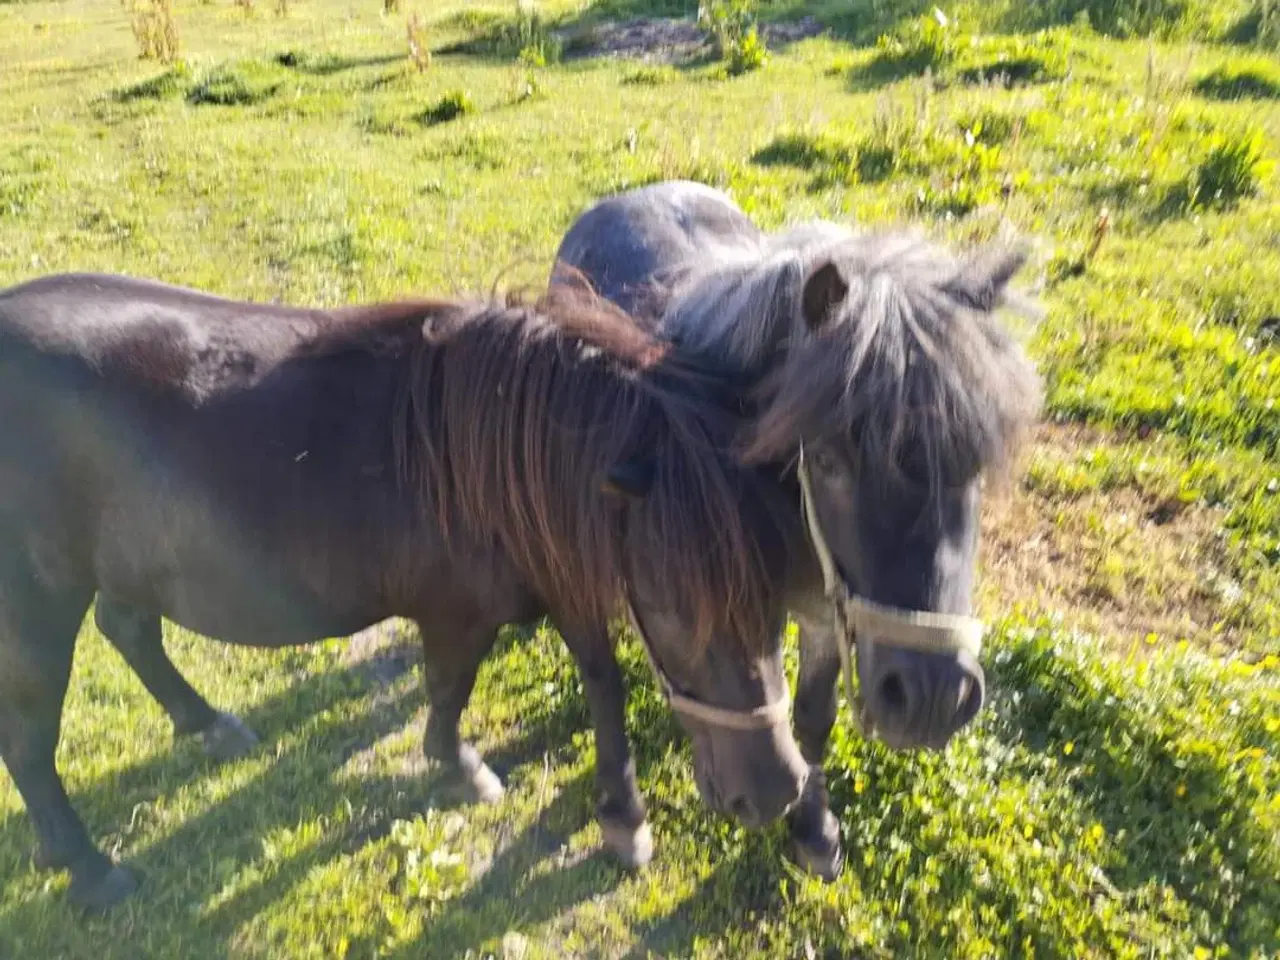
528, 38
154, 28
925, 44
1231, 169
456, 103
732, 28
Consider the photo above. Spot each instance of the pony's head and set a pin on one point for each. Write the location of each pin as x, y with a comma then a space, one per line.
896, 392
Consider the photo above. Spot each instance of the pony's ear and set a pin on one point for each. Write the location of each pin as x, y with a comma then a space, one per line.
824, 290
981, 282
632, 478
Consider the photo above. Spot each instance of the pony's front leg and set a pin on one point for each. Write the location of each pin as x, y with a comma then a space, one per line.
815, 833
452, 654
619, 807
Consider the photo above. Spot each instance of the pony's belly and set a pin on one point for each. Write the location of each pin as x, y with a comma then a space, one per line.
243, 598
243, 627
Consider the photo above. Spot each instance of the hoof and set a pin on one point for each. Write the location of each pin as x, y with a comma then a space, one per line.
484, 785
632, 845
105, 891
227, 738
476, 785
819, 854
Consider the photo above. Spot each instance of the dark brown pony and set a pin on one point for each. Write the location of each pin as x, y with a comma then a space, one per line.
271, 476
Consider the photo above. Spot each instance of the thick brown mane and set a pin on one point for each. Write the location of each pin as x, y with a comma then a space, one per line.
509, 416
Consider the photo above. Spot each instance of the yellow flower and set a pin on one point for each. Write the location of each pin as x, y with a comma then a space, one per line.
1069, 746
1181, 791
1096, 832
1027, 831
858, 785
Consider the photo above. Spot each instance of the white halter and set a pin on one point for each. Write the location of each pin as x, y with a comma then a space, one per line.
909, 629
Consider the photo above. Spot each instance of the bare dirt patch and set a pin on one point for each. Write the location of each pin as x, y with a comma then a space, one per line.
668, 39
1123, 564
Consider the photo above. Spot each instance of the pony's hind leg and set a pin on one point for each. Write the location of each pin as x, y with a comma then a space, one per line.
38, 628
619, 806
139, 638
452, 660
815, 834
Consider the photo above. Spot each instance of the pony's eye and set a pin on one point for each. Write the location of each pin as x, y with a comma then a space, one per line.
823, 461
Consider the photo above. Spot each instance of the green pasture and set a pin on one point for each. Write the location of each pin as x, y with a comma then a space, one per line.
1119, 796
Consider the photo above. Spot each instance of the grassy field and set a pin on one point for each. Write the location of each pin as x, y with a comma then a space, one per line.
1120, 797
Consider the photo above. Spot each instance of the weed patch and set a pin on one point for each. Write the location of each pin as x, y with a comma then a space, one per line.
652, 76
455, 104
526, 34
1229, 171
732, 28
924, 44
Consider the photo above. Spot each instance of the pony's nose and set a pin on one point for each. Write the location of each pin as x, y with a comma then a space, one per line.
923, 699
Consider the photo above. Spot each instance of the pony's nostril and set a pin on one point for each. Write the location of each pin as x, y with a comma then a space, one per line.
893, 694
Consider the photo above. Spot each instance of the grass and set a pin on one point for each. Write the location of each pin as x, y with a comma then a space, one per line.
1119, 796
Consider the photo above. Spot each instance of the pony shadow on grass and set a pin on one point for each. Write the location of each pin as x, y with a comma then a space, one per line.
508, 897
184, 870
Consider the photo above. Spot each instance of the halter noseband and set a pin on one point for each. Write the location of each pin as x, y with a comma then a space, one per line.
922, 630
761, 718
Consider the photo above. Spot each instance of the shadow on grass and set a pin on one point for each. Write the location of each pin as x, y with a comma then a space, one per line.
179, 871
1176, 817
327, 64
184, 871
508, 897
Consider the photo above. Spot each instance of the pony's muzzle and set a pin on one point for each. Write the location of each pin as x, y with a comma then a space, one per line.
753, 776
918, 699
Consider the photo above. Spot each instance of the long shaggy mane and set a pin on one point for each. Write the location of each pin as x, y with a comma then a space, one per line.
511, 413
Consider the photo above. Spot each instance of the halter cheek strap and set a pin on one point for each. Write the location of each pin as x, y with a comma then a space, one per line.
761, 718
922, 630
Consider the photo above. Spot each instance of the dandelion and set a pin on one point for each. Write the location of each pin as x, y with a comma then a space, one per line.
1069, 747
859, 785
